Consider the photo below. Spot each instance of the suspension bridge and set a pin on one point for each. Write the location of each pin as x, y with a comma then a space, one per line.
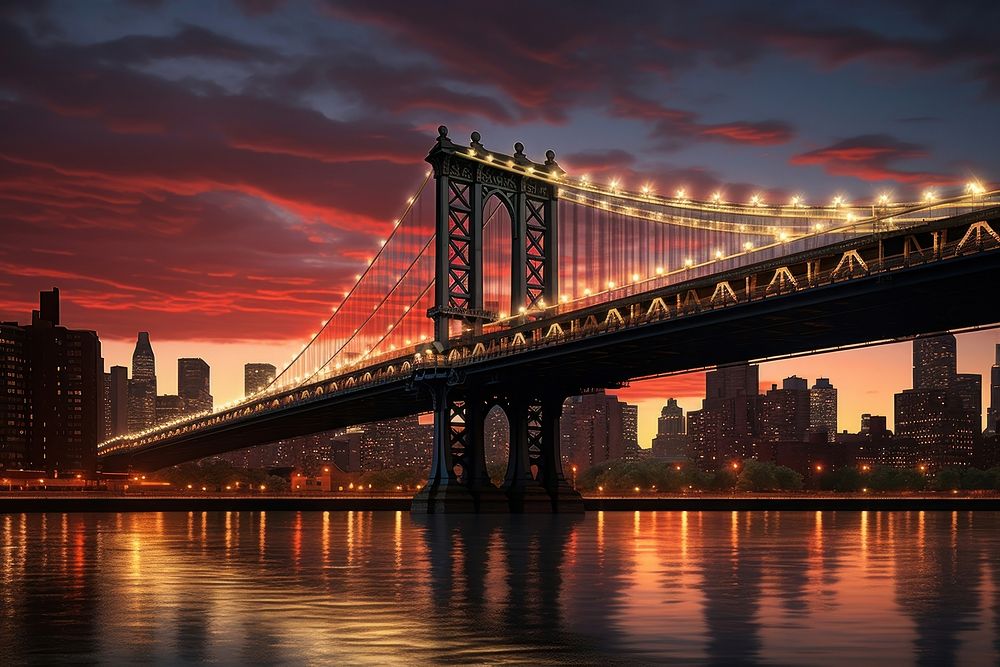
508, 282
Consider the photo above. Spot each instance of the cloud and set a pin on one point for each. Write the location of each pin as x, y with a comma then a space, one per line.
871, 157
672, 127
689, 385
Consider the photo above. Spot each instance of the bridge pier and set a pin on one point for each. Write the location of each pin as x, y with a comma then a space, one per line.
459, 482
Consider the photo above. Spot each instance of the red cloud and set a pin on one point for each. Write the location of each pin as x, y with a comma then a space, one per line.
675, 126
871, 158
767, 133
689, 385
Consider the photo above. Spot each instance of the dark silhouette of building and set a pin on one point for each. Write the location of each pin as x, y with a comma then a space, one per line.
169, 407
256, 377
54, 407
142, 386
119, 400
993, 412
785, 414
823, 409
875, 444
671, 441
194, 385
727, 423
15, 398
346, 449
940, 414
106, 407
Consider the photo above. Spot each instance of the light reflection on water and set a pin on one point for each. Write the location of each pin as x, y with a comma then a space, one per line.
385, 587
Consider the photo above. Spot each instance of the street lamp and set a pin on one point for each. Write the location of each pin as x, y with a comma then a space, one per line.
574, 477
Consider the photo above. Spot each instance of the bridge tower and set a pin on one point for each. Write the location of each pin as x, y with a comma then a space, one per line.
465, 179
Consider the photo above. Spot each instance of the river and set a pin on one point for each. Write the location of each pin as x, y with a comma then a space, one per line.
798, 588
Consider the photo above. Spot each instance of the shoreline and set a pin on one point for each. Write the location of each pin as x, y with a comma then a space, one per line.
38, 503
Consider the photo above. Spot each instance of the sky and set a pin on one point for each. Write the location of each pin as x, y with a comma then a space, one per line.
215, 173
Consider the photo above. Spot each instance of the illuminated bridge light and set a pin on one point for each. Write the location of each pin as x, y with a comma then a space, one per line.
929, 195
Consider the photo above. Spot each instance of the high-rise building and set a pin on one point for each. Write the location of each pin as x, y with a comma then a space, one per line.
256, 377
106, 406
593, 430
15, 399
119, 400
395, 443
346, 449
969, 387
993, 412
823, 409
934, 362
942, 414
142, 386
725, 426
785, 413
53, 409
671, 441
168, 407
630, 430
194, 385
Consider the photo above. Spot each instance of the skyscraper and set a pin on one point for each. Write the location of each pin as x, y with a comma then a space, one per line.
119, 400
593, 430
942, 414
785, 413
671, 441
630, 430
15, 399
934, 362
52, 415
142, 386
728, 420
823, 409
106, 406
257, 376
194, 385
993, 412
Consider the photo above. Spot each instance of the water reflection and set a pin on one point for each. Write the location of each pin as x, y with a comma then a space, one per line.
357, 587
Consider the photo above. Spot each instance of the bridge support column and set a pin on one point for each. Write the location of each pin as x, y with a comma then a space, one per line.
458, 481
524, 490
563, 496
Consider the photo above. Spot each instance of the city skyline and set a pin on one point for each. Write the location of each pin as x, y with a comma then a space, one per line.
976, 354
685, 114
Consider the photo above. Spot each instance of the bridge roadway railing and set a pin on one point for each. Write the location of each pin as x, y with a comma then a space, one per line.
847, 260
395, 369
844, 226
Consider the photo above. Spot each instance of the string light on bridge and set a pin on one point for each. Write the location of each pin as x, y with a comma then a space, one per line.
974, 188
